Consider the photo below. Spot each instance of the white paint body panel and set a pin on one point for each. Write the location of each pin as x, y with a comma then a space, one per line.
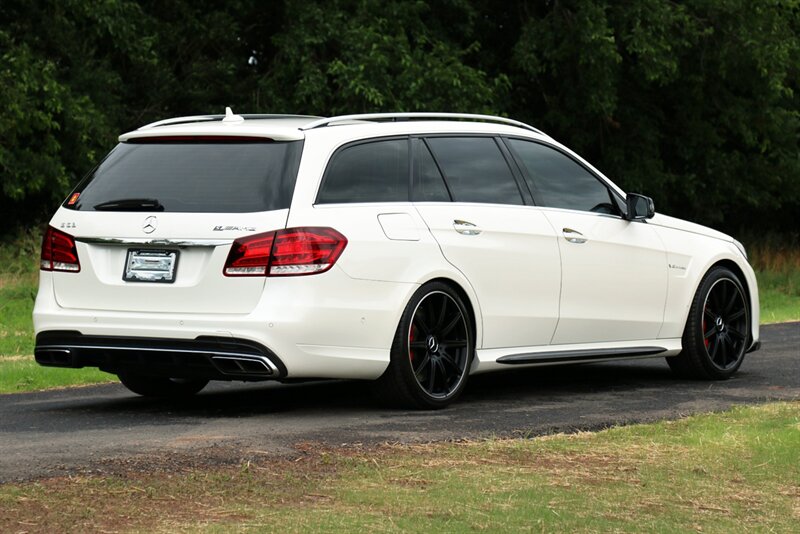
613, 281
513, 265
529, 289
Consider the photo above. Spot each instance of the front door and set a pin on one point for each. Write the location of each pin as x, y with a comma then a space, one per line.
613, 271
613, 278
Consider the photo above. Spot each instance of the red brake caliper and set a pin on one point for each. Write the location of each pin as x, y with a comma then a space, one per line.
706, 340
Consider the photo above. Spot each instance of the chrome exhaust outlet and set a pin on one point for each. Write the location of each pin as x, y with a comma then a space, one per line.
244, 365
53, 356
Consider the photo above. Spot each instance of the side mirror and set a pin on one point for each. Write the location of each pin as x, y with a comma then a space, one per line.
639, 207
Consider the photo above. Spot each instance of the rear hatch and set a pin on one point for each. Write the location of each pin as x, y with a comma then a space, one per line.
154, 223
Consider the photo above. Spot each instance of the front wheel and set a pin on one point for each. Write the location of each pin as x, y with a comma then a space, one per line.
717, 332
432, 351
157, 386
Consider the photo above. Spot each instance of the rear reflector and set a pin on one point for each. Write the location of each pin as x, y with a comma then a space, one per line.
289, 252
59, 252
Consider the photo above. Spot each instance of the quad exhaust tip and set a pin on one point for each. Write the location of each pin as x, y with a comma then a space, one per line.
244, 365
57, 357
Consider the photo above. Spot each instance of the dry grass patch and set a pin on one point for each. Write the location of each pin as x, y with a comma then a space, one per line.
731, 472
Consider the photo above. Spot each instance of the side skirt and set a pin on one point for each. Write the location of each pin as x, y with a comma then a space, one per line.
585, 355
495, 359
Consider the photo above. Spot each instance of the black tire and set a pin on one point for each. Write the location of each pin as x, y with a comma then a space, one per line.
717, 332
431, 353
158, 386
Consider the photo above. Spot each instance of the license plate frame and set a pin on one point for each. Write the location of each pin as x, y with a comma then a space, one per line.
154, 266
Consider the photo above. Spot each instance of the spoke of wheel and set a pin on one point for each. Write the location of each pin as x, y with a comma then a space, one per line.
449, 326
731, 301
444, 377
736, 333
714, 348
723, 294
736, 315
711, 332
723, 351
419, 322
418, 345
442, 314
449, 360
710, 315
455, 344
432, 376
732, 351
422, 364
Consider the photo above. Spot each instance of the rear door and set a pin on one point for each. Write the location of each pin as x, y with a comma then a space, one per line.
173, 209
506, 249
364, 194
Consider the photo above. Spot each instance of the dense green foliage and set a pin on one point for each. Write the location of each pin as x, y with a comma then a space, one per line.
694, 103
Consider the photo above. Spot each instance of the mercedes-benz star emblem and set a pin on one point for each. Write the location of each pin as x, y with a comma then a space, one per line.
149, 225
433, 344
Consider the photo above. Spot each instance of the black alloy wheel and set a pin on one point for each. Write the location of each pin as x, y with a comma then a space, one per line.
437, 344
432, 351
717, 333
724, 324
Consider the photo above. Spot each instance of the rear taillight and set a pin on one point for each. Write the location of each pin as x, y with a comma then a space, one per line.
59, 252
289, 252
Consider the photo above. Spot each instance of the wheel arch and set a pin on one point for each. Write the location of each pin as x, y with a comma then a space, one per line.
751, 291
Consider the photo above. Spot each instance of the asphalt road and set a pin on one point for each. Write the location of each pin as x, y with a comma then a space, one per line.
103, 428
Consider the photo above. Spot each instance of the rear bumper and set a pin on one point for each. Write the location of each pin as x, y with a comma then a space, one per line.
325, 326
209, 357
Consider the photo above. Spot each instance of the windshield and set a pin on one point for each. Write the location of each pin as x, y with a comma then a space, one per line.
198, 177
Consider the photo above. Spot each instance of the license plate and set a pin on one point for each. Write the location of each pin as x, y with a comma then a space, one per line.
151, 266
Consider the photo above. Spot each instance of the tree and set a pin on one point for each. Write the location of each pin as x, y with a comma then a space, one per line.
340, 57
694, 103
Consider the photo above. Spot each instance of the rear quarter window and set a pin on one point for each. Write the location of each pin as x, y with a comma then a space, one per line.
374, 171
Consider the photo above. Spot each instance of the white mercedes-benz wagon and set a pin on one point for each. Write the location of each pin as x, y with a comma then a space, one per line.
412, 249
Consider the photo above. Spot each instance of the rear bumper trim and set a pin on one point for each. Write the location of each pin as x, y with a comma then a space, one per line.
210, 357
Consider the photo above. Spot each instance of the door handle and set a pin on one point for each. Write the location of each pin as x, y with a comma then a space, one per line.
573, 236
466, 227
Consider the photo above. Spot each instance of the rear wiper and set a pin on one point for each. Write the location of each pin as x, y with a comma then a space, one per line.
130, 204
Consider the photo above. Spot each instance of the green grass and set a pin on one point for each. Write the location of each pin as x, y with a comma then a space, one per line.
777, 265
779, 296
777, 269
729, 472
24, 374
19, 281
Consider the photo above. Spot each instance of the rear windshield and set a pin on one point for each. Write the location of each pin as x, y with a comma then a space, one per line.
198, 177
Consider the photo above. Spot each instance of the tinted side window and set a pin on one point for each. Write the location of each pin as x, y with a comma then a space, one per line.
559, 182
475, 170
367, 172
428, 182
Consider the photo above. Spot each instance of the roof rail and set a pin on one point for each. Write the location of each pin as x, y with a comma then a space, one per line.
206, 118
418, 116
